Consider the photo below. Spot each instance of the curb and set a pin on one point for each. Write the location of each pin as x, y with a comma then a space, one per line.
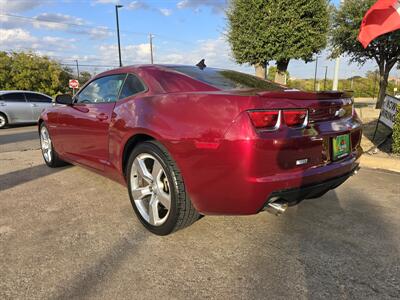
382, 163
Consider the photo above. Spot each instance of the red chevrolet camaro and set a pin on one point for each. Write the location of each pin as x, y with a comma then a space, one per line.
190, 141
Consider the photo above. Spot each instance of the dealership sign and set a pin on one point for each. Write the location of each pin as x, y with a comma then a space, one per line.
73, 84
389, 111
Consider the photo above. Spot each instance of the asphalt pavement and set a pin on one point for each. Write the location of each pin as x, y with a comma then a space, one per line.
69, 233
19, 138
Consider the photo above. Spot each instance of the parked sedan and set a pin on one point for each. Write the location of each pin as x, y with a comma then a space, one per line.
22, 107
191, 141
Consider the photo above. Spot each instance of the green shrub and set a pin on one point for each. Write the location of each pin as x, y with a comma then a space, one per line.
396, 132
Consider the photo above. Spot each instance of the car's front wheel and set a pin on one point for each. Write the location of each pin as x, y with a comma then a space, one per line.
50, 155
157, 190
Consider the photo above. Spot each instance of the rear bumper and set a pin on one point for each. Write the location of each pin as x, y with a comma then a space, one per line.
246, 169
295, 195
228, 191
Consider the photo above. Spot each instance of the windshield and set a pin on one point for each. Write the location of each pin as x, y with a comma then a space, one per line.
227, 79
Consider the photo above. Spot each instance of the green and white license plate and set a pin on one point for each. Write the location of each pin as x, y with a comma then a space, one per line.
341, 146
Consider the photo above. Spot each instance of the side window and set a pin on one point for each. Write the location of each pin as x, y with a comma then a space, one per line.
31, 97
13, 97
131, 86
104, 89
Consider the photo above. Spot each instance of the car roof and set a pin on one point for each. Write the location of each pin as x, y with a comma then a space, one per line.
3, 92
167, 67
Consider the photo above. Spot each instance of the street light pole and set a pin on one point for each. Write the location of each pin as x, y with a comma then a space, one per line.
326, 74
151, 48
119, 42
77, 68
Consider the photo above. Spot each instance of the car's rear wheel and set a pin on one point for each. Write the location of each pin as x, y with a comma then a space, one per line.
50, 155
157, 190
3, 121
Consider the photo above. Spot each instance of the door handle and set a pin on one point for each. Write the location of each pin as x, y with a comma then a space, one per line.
34, 105
102, 117
2, 104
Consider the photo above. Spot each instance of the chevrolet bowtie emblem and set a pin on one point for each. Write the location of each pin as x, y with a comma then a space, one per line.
340, 113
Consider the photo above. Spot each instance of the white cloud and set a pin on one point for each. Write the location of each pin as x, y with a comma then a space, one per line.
131, 54
8, 22
17, 35
98, 33
137, 5
16, 39
57, 22
165, 11
18, 5
134, 5
214, 51
106, 1
217, 6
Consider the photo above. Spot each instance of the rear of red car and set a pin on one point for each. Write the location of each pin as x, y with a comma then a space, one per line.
283, 146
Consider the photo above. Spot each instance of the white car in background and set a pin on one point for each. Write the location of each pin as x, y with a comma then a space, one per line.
18, 107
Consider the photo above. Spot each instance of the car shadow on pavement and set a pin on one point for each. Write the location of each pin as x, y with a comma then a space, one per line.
19, 137
331, 248
22, 176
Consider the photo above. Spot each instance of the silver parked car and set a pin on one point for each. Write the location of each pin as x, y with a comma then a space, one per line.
22, 106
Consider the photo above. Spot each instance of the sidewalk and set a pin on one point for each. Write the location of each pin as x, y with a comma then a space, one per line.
373, 157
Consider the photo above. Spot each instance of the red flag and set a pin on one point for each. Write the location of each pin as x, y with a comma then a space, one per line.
381, 18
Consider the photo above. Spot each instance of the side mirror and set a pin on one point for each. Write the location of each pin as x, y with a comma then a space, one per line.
64, 99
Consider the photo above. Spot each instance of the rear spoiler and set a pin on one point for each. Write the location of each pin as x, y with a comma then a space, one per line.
299, 95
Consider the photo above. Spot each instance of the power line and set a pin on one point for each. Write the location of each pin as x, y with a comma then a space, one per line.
59, 60
89, 65
36, 20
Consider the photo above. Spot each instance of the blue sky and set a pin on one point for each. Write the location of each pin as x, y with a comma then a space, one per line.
184, 32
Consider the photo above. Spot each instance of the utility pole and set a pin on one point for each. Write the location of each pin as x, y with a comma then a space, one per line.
151, 48
315, 75
337, 67
326, 74
119, 41
336, 76
77, 68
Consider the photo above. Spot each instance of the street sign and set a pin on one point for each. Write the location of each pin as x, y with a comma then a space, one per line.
389, 110
388, 114
73, 84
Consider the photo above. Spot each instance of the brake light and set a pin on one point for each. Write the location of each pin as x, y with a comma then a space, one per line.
294, 118
264, 119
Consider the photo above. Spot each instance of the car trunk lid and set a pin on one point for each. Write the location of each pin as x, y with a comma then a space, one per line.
322, 106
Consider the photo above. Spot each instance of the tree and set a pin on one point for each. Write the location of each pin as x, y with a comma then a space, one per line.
385, 50
84, 77
272, 74
27, 71
260, 31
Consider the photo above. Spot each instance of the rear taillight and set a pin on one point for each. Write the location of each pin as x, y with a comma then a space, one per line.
295, 117
265, 119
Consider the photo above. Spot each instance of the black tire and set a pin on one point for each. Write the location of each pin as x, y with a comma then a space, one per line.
182, 212
3, 121
54, 161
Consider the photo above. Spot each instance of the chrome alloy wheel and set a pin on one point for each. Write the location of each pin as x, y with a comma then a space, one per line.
45, 143
2, 121
150, 189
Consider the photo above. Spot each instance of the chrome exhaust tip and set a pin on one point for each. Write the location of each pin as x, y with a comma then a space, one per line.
355, 172
277, 207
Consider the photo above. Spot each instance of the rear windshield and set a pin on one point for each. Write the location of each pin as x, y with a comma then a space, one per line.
227, 79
